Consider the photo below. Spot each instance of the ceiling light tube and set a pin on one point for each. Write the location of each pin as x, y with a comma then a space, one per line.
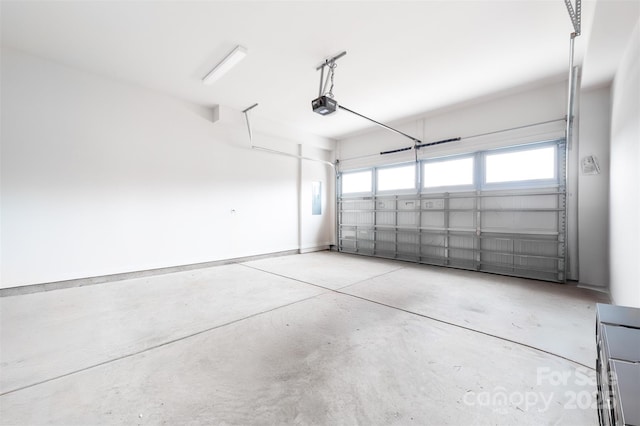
227, 63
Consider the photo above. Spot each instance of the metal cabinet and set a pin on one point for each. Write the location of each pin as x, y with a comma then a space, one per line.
618, 364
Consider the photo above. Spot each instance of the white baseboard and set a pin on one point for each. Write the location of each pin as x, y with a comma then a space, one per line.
315, 248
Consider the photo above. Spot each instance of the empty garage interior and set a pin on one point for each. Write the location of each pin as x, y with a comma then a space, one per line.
182, 249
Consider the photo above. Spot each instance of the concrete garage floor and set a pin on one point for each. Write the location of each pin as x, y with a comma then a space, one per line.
319, 338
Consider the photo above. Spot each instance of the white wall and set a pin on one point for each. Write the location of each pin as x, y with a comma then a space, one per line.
625, 178
510, 110
317, 231
100, 177
593, 190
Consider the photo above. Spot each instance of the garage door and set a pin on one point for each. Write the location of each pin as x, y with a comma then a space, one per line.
500, 211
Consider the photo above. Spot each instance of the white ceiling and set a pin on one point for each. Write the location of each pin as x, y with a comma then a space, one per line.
403, 58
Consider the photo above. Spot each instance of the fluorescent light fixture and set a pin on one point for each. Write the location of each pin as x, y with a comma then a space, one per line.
227, 63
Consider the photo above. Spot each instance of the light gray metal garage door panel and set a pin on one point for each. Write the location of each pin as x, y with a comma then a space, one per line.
517, 230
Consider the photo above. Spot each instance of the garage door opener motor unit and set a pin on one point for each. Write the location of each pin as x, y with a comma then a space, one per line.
326, 104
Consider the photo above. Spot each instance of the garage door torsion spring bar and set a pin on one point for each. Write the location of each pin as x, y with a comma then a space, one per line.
421, 145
